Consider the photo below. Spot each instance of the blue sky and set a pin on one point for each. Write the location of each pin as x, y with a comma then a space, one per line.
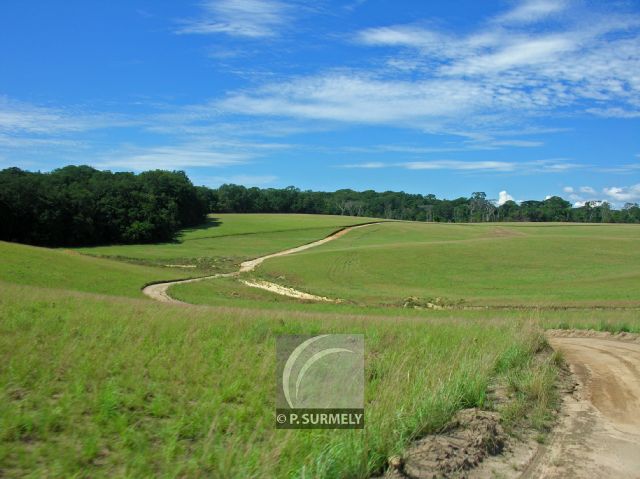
520, 99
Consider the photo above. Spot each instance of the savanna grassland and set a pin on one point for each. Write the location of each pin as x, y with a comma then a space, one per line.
226, 240
472, 264
99, 381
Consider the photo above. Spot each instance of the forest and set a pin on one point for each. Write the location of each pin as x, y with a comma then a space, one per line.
80, 205
416, 207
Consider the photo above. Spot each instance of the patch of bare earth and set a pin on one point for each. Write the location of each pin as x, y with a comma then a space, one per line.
285, 291
465, 442
596, 435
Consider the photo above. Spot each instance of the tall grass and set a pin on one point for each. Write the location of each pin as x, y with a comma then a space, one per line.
99, 386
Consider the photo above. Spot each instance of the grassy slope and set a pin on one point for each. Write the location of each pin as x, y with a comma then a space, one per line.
482, 264
98, 386
31, 265
228, 239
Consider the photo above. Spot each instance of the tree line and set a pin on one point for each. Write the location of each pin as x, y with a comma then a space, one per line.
416, 207
79, 205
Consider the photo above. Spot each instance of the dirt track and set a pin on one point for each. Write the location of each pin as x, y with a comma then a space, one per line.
159, 292
599, 432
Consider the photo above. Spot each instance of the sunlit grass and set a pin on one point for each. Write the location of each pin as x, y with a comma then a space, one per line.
228, 239
100, 386
499, 264
104, 385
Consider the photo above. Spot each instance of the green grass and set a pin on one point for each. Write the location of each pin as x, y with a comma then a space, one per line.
529, 375
31, 265
96, 386
502, 264
110, 384
228, 239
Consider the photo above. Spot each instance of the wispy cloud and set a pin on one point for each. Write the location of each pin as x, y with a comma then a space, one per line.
532, 11
367, 165
615, 194
461, 165
358, 98
559, 165
170, 158
240, 18
505, 72
19, 118
624, 193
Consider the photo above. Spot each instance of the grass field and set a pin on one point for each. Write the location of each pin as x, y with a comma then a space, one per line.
506, 264
98, 381
124, 387
31, 265
228, 239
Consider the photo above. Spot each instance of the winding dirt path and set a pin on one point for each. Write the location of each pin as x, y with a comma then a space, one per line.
598, 435
159, 291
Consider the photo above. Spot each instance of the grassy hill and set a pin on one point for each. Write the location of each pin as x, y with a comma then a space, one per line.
228, 239
64, 269
97, 381
495, 264
99, 386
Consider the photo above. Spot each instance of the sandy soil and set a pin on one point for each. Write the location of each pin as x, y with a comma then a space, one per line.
284, 291
598, 435
159, 292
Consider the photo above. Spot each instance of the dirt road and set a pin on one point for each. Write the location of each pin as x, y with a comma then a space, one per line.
158, 291
599, 432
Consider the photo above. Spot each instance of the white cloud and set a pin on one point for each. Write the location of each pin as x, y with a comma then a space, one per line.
171, 158
553, 165
588, 190
503, 197
460, 165
517, 143
614, 112
525, 53
537, 166
443, 82
625, 193
242, 18
568, 189
358, 98
371, 164
401, 35
532, 11
25, 118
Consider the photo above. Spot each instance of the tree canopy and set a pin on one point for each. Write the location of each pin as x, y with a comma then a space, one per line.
79, 205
